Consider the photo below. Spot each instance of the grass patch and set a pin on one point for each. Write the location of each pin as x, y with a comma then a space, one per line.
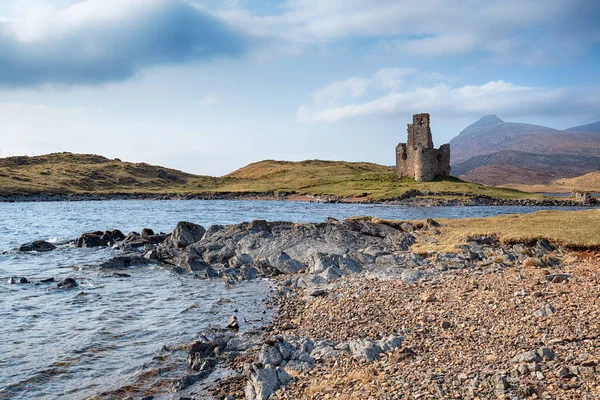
578, 230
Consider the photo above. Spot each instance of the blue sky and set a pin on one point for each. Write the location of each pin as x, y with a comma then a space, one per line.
208, 86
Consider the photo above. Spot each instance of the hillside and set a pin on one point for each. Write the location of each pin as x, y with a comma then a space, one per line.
593, 127
588, 182
66, 173
492, 151
508, 166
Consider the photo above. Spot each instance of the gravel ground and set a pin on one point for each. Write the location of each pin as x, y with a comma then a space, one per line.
468, 334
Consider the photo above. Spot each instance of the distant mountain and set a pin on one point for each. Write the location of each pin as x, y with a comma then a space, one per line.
522, 153
509, 166
593, 127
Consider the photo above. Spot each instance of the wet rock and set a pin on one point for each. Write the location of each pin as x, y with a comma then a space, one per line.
147, 232
68, 283
47, 280
545, 310
232, 323
124, 261
39, 246
18, 281
99, 238
120, 275
204, 364
186, 233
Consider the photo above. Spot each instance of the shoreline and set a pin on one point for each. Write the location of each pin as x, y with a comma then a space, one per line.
410, 198
362, 314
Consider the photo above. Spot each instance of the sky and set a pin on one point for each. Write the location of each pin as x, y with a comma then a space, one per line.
208, 86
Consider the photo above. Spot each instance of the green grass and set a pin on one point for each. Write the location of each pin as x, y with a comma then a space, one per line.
66, 173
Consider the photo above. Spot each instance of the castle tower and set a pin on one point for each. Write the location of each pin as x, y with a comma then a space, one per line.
418, 158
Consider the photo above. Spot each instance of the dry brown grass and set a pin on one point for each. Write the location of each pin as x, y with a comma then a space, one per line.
588, 182
572, 229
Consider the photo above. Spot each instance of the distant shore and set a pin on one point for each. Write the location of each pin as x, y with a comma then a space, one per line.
411, 198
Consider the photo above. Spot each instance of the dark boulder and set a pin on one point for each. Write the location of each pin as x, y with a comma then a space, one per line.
18, 280
124, 261
38, 246
68, 283
186, 233
99, 238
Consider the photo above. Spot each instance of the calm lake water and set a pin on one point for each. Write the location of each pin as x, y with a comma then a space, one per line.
105, 334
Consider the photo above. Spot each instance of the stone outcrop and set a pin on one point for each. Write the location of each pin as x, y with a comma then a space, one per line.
418, 158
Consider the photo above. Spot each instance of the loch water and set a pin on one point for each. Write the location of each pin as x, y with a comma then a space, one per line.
110, 331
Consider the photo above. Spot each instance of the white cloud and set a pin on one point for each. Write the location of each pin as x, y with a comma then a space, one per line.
494, 97
354, 87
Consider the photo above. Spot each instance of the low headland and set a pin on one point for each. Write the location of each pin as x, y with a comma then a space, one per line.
71, 177
504, 307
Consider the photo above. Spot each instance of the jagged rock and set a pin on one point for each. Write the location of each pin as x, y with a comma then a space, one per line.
323, 350
546, 353
262, 383
68, 283
318, 292
186, 233
269, 356
37, 246
526, 357
241, 260
99, 238
407, 227
558, 278
545, 310
286, 265
124, 261
147, 232
364, 349
232, 323
18, 281
296, 366
412, 276
390, 343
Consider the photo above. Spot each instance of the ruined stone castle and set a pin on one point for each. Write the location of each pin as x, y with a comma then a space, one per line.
418, 158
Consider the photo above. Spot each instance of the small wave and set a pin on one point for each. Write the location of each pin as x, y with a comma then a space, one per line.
52, 240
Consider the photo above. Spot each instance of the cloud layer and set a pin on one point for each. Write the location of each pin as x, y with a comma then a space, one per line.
99, 41
525, 31
471, 100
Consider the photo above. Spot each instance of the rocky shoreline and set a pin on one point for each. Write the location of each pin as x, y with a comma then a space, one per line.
361, 316
410, 198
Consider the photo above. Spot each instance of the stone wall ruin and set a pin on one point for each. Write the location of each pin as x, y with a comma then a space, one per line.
418, 158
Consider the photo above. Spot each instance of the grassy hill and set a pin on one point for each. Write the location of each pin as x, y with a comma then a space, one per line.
67, 173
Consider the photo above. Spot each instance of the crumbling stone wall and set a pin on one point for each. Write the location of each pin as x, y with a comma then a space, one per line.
418, 158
